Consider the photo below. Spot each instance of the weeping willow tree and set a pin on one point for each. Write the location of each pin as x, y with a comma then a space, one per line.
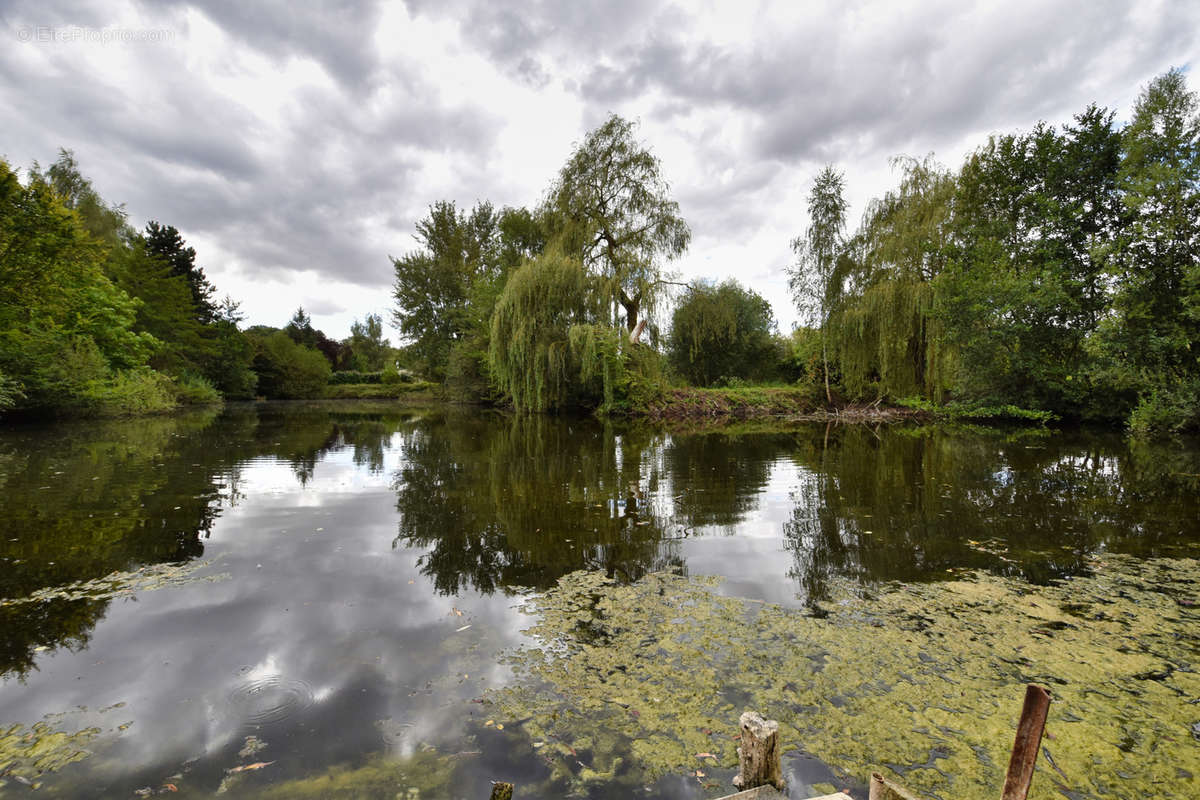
882, 328
611, 204
530, 354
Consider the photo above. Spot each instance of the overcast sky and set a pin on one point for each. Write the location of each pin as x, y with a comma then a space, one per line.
296, 149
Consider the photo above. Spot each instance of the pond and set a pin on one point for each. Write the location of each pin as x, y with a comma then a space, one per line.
362, 600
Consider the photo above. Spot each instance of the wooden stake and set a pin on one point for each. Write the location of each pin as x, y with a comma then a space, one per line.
501, 791
758, 754
1028, 742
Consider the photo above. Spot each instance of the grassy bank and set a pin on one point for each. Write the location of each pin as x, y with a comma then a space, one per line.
417, 390
798, 403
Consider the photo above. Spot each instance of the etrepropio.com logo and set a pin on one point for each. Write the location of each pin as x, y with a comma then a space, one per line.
79, 34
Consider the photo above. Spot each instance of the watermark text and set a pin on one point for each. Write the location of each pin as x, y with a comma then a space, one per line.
77, 34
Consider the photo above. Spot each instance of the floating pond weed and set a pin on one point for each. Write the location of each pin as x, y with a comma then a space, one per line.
28, 753
924, 680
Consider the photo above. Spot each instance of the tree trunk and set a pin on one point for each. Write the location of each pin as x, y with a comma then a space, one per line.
825, 359
637, 332
632, 306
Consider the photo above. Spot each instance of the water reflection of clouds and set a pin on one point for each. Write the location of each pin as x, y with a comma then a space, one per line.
342, 612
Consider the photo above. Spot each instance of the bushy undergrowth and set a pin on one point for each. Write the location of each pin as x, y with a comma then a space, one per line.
193, 390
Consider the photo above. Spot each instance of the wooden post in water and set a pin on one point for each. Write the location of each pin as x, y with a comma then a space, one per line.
758, 754
1027, 744
501, 791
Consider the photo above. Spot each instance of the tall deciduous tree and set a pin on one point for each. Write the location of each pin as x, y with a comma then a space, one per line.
811, 279
368, 348
433, 284
1155, 331
616, 211
1024, 291
721, 331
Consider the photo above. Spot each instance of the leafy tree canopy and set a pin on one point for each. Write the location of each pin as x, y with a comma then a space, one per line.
614, 208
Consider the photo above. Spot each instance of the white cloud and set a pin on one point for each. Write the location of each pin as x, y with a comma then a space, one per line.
296, 151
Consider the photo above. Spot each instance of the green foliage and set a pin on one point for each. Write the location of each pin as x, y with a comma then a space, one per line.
130, 391
228, 366
722, 331
1167, 408
391, 376
446, 290
287, 370
531, 357
354, 376
885, 339
813, 278
104, 222
617, 377
166, 309
612, 207
87, 303
1149, 347
195, 390
10, 392
165, 245
969, 411
1058, 271
1023, 292
378, 391
368, 349
63, 323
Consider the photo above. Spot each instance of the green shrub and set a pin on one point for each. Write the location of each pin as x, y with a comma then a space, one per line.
195, 390
354, 376
968, 411
1172, 408
722, 331
287, 370
132, 391
375, 391
10, 392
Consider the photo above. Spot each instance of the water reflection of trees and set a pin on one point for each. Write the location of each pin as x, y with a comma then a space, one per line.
520, 502
718, 476
497, 502
83, 500
916, 504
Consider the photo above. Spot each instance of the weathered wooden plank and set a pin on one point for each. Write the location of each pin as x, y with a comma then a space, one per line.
883, 789
771, 793
1027, 744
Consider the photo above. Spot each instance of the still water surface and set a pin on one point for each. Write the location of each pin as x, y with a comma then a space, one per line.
320, 600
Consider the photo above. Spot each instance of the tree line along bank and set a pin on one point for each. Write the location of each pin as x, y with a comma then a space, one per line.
1056, 272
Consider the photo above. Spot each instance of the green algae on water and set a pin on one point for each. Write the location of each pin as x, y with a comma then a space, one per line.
424, 774
28, 753
924, 680
122, 584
